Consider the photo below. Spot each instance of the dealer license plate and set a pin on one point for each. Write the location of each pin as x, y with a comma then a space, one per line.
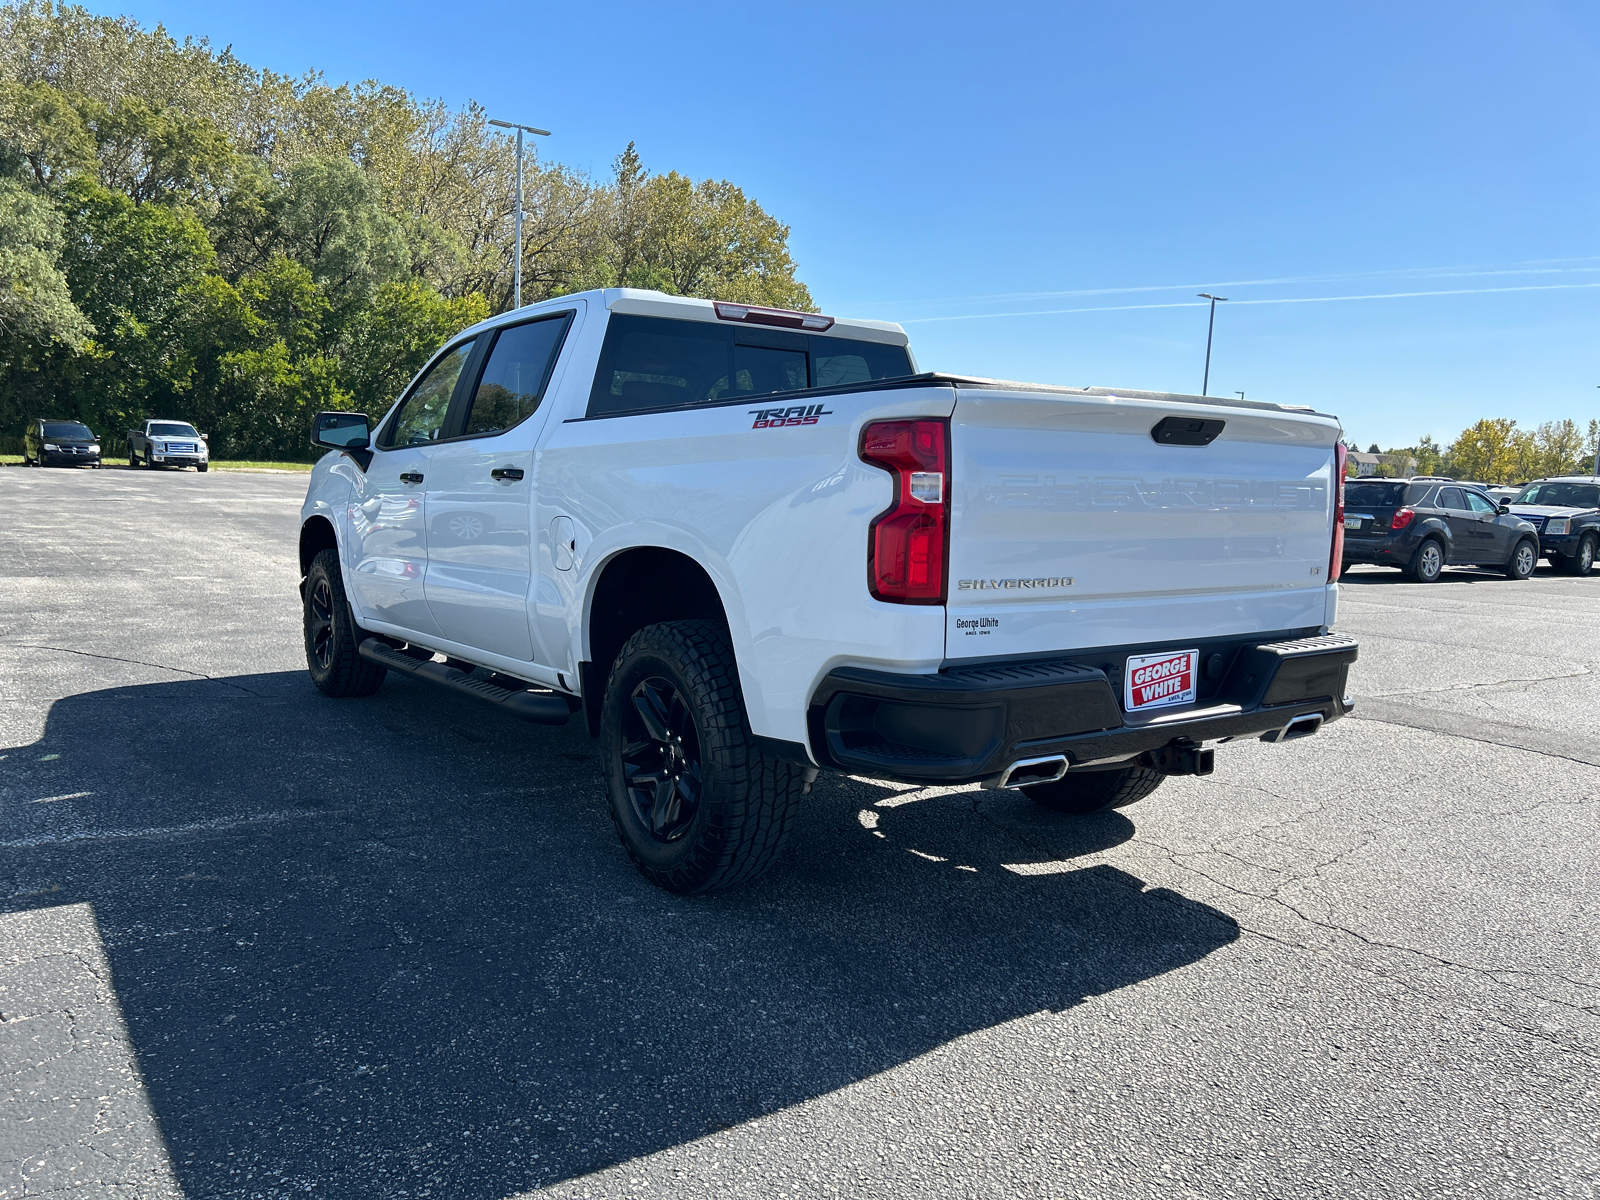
1352, 522
1159, 680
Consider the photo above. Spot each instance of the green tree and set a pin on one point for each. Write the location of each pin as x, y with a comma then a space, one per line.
1428, 455
238, 246
41, 125
133, 270
329, 221
1484, 451
406, 322
710, 239
36, 308
1559, 447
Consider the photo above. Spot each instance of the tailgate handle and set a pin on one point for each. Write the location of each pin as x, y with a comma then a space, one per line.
1185, 431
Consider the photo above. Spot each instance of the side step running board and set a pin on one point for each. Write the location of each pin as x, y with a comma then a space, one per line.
544, 708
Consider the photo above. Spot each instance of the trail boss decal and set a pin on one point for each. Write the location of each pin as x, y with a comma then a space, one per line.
795, 414
1157, 680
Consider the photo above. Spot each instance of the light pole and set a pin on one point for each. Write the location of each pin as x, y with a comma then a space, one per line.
1210, 325
1597, 450
516, 294
1240, 395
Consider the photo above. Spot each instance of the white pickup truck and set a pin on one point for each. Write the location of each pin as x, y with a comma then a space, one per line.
748, 544
168, 444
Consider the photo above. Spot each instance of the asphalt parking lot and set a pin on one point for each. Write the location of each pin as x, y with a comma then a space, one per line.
254, 942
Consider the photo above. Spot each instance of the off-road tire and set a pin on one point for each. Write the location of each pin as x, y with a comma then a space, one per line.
1581, 563
747, 803
1522, 565
1095, 791
1423, 568
336, 665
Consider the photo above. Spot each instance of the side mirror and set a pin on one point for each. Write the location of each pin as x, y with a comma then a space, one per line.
1504, 507
341, 431
205, 437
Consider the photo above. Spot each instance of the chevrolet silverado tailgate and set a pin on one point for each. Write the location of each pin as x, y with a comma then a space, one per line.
1073, 526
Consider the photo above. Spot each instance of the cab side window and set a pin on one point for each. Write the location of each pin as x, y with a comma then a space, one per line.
1481, 504
516, 375
420, 419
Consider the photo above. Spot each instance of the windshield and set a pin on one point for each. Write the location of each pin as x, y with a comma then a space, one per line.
67, 429
172, 429
1370, 494
1562, 495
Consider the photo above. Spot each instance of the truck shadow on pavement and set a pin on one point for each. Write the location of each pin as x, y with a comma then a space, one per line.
392, 947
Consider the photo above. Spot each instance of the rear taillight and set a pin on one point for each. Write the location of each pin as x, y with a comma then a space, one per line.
1402, 517
907, 543
1336, 556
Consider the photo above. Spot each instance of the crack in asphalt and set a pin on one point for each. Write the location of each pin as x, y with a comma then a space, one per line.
1486, 685
1476, 729
1176, 857
137, 662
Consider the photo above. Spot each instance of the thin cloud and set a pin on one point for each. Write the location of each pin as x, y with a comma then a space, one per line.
1543, 266
1058, 312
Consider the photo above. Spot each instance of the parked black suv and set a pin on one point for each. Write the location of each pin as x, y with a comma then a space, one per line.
1423, 525
59, 444
1566, 512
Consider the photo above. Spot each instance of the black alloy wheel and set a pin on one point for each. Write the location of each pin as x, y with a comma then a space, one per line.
697, 804
661, 760
332, 637
319, 622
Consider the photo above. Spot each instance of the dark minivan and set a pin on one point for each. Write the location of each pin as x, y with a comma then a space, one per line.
1424, 525
59, 444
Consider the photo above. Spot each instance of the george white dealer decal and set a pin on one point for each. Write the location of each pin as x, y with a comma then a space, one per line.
1157, 680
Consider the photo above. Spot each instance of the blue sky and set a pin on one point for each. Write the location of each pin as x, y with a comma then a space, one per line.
1038, 191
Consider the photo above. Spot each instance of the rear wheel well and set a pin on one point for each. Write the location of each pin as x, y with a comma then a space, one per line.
641, 587
316, 535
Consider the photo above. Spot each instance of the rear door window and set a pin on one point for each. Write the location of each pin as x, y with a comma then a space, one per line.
420, 418
1453, 499
1373, 495
514, 379
656, 363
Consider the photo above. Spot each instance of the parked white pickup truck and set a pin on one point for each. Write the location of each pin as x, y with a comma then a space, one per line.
168, 444
748, 544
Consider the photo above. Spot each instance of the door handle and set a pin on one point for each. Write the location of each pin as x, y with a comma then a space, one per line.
410, 476
506, 473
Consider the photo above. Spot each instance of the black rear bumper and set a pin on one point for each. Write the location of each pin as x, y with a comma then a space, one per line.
968, 724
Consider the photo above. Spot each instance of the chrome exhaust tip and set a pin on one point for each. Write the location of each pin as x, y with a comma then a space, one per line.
1026, 772
1302, 726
